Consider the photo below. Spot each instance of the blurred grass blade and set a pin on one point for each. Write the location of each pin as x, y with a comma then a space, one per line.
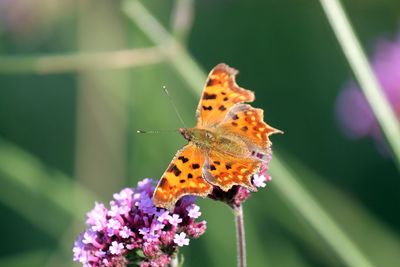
359, 63
43, 196
381, 244
182, 19
298, 197
47, 64
176, 53
35, 257
33, 180
295, 194
101, 117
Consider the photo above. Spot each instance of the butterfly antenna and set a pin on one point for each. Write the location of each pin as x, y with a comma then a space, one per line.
154, 131
174, 106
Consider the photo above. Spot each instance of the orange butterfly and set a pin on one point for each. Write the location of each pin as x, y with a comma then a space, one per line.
224, 147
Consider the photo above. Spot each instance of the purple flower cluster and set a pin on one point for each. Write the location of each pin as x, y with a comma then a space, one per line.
134, 231
353, 111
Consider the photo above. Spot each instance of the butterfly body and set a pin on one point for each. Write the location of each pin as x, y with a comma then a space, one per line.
225, 148
216, 140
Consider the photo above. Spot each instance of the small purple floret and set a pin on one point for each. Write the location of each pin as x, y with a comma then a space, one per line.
181, 240
194, 211
259, 180
174, 219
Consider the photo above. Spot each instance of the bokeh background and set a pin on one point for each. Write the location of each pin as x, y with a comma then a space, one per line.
78, 78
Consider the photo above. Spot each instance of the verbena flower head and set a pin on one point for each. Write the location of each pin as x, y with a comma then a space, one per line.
133, 231
353, 111
235, 196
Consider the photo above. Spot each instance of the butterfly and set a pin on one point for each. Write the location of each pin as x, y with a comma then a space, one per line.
226, 147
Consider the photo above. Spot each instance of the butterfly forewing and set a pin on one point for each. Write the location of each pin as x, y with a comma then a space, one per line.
182, 177
219, 94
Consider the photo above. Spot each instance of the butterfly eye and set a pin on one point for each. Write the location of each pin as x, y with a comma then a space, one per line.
209, 135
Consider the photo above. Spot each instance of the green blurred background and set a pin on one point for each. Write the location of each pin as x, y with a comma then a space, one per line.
68, 123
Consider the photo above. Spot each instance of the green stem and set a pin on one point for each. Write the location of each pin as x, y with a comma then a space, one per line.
297, 196
240, 237
177, 55
182, 19
174, 262
47, 64
362, 70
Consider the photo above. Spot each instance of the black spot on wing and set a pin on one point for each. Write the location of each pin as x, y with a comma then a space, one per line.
207, 108
244, 128
209, 96
190, 176
228, 166
195, 166
235, 117
173, 168
163, 182
183, 159
222, 108
212, 167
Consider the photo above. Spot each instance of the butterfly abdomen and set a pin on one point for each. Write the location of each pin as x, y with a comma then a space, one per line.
232, 145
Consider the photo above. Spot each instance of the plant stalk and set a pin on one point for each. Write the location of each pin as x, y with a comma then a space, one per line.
240, 237
364, 74
174, 262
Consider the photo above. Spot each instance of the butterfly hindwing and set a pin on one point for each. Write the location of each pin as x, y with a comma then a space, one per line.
248, 122
226, 171
183, 177
219, 94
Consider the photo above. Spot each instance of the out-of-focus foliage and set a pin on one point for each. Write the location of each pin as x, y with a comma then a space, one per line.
69, 138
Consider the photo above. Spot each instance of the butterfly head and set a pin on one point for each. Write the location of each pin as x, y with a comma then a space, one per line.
200, 137
186, 133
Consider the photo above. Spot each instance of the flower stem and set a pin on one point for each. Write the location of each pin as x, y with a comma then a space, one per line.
174, 262
72, 62
240, 237
363, 72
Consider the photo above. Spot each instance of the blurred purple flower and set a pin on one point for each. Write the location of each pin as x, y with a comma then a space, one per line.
352, 109
134, 231
15, 14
